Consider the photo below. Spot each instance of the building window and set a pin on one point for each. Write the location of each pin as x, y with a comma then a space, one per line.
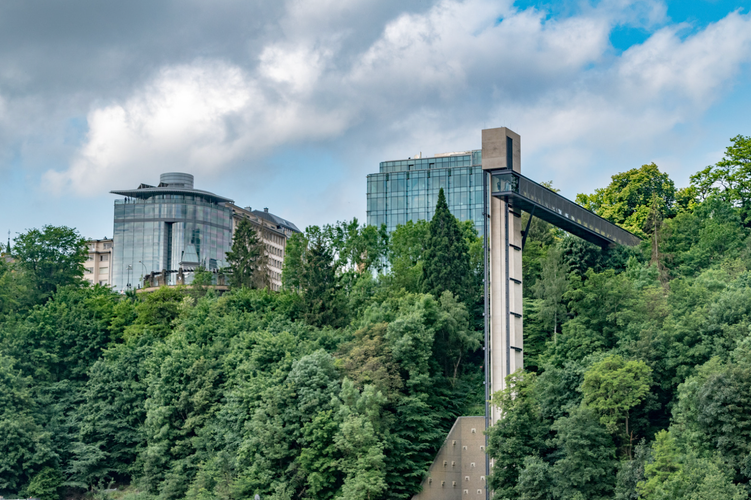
104, 258
89, 270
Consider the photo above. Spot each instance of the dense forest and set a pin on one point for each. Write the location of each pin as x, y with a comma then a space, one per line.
637, 380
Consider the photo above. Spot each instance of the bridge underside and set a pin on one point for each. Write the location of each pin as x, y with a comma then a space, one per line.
551, 207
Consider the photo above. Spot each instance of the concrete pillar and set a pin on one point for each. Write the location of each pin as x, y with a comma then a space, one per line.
501, 149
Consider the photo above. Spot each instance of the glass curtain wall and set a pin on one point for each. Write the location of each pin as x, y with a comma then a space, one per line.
160, 232
408, 189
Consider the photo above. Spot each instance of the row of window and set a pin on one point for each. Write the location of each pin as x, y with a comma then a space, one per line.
102, 270
276, 263
274, 251
381, 184
275, 275
475, 158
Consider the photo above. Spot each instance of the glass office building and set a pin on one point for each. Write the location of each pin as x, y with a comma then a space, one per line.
168, 227
408, 189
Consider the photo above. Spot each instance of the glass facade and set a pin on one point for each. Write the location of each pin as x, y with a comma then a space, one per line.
163, 230
408, 189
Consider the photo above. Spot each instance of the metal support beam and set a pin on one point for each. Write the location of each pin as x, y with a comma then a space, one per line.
526, 229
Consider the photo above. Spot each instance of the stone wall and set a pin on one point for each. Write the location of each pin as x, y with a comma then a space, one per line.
458, 471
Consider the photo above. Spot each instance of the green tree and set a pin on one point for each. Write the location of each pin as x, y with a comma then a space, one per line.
247, 259
294, 261
358, 440
664, 467
14, 289
156, 312
672, 475
322, 303
111, 417
25, 446
357, 248
612, 388
713, 411
202, 280
586, 467
52, 257
550, 289
729, 178
46, 484
629, 197
407, 247
520, 433
446, 264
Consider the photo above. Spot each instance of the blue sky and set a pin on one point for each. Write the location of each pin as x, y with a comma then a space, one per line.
289, 105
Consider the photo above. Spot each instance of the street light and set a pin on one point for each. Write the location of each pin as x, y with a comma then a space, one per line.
129, 269
144, 272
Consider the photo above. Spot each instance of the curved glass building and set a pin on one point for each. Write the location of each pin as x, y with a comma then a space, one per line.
168, 227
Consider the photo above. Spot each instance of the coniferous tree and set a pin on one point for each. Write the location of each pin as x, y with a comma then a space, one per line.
321, 301
248, 258
446, 262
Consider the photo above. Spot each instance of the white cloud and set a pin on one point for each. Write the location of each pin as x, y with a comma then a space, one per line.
199, 118
430, 80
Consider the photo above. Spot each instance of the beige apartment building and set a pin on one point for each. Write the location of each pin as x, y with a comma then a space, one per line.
274, 232
98, 267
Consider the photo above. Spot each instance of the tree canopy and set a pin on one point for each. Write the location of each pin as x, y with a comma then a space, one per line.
343, 385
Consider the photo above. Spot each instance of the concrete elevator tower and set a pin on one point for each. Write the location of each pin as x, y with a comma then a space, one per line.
461, 468
501, 150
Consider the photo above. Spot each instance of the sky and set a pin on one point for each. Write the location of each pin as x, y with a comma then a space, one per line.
290, 104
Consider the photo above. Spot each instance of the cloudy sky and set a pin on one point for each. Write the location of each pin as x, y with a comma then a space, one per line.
290, 104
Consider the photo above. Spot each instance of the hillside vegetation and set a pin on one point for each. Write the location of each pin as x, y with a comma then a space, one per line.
637, 381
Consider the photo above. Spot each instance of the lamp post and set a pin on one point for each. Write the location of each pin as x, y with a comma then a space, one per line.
144, 272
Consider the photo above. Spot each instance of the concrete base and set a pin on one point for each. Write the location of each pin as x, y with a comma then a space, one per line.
458, 471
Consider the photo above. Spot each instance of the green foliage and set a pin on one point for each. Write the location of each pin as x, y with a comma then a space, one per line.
408, 244
550, 288
247, 259
25, 446
446, 265
520, 435
155, 313
14, 289
629, 197
321, 304
671, 474
111, 416
294, 260
46, 484
612, 388
52, 257
357, 248
587, 457
729, 178
344, 384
